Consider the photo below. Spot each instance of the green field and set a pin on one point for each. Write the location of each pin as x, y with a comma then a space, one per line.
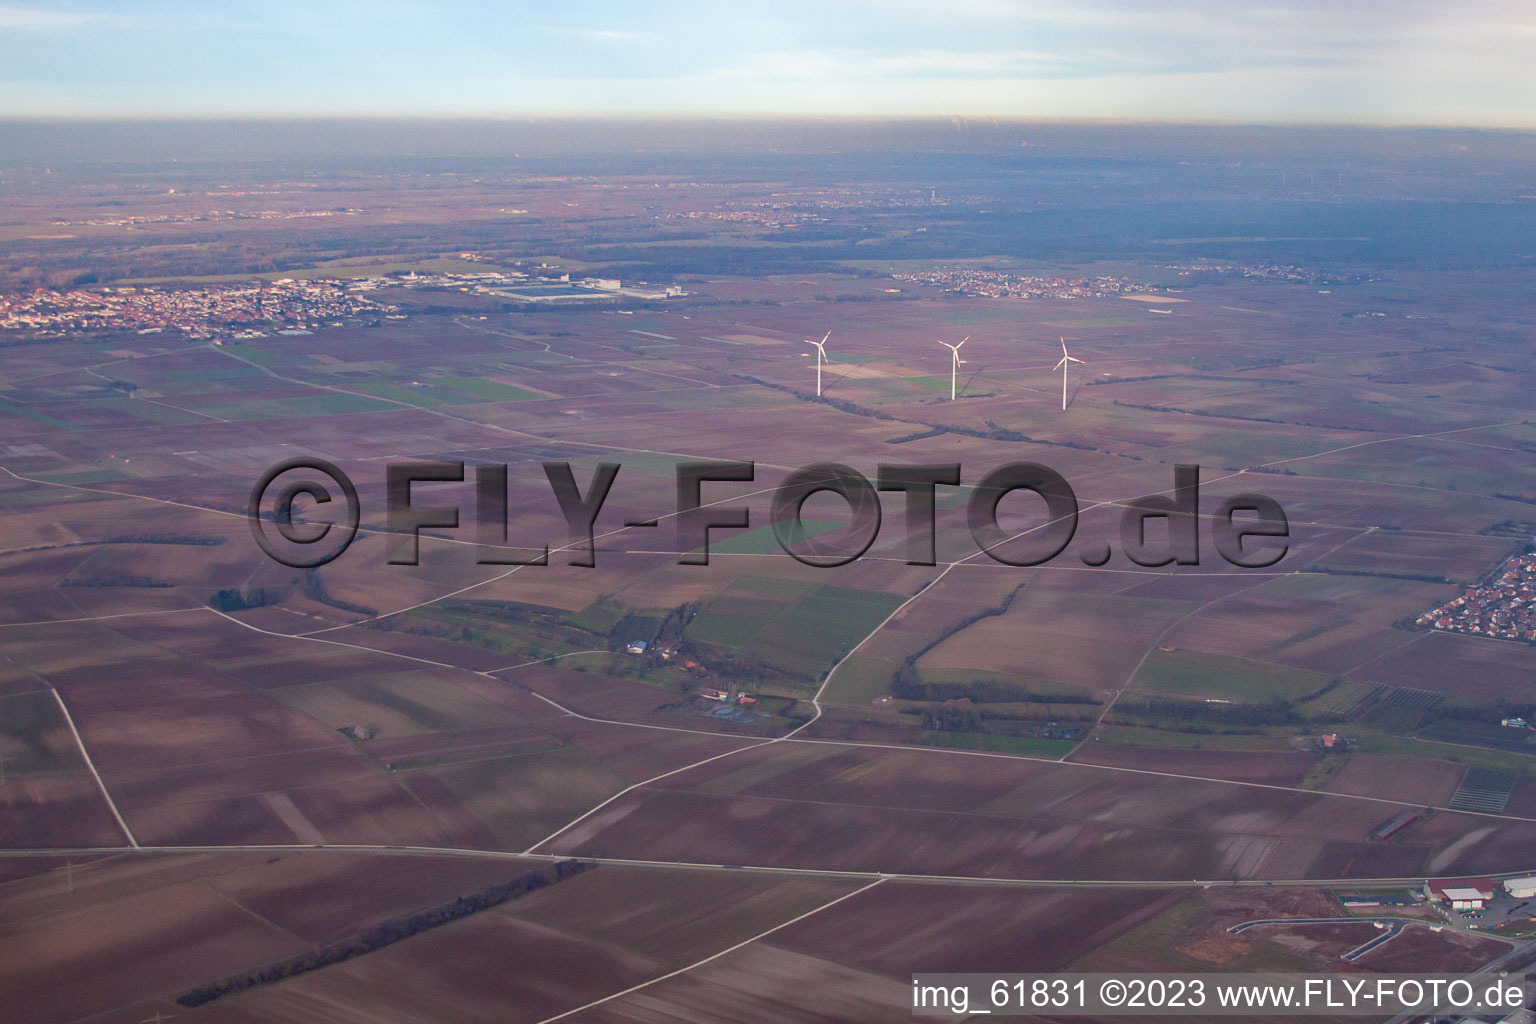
761, 541
936, 384
1196, 674
861, 680
795, 628
49, 496
86, 476
598, 617
740, 611
811, 635
37, 417
1498, 760
732, 621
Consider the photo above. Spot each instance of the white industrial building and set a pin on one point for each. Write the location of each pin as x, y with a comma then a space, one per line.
1521, 888
1464, 899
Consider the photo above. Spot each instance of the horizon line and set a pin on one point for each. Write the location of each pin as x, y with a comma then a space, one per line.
701, 118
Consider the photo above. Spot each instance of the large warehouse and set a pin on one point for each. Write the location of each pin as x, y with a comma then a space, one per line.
1521, 888
1460, 893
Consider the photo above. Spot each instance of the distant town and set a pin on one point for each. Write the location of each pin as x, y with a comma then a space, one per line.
997, 284
136, 220
199, 312
249, 309
1286, 272
1502, 607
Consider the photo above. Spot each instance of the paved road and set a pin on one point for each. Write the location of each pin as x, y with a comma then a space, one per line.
1393, 928
451, 851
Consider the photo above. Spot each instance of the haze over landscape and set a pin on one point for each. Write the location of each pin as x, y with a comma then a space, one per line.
830, 432
1414, 62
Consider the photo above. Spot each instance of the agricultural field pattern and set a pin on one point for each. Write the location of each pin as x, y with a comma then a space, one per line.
536, 772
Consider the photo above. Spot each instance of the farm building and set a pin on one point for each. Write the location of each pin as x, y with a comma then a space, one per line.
1395, 825
1460, 893
1521, 888
1464, 899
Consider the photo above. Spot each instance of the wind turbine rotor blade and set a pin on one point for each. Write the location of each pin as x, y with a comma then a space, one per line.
963, 341
1060, 364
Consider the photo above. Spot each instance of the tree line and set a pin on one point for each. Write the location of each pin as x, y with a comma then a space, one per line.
385, 934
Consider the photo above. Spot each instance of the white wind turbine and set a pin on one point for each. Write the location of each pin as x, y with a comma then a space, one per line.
821, 356
1062, 366
955, 361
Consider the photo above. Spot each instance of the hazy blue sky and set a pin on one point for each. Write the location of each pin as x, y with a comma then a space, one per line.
1350, 61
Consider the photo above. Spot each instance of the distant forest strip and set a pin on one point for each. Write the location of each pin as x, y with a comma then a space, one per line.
385, 934
994, 431
191, 541
805, 396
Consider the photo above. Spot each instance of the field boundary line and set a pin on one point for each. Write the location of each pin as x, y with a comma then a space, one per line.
713, 956
80, 743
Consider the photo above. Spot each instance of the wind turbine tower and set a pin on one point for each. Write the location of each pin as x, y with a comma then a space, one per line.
821, 355
954, 362
1062, 366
